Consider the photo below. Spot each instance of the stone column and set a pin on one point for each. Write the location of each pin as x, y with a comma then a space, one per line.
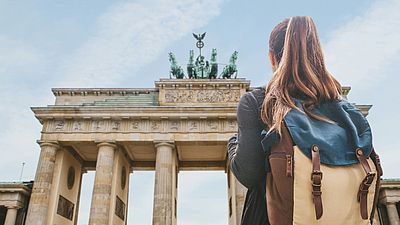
240, 195
236, 197
392, 213
39, 202
100, 206
163, 207
11, 216
83, 171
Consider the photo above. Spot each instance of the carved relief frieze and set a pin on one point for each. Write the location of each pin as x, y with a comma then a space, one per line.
202, 96
120, 208
231, 125
212, 125
77, 125
135, 125
98, 125
142, 125
194, 126
59, 125
65, 208
155, 125
115, 125
174, 125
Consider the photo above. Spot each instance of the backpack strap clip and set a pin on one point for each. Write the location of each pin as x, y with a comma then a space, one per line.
316, 178
365, 184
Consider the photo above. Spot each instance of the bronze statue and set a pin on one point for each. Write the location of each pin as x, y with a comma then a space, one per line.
214, 65
176, 70
230, 69
201, 68
191, 70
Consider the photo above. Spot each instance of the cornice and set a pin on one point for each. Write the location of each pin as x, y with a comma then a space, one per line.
101, 91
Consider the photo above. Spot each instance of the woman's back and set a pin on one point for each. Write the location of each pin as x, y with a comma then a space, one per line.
297, 129
289, 166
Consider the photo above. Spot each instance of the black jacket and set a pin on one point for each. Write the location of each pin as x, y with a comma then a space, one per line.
247, 158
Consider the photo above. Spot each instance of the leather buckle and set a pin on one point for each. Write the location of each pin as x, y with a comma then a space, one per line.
316, 173
369, 178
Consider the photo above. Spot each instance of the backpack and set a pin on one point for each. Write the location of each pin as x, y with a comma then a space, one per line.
300, 190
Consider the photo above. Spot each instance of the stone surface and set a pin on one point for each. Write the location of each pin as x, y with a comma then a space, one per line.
100, 206
64, 199
39, 202
393, 214
164, 188
119, 189
236, 197
11, 216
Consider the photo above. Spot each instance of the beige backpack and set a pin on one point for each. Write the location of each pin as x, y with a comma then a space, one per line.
302, 191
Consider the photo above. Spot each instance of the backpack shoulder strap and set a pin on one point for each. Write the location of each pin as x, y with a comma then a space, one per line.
365, 184
375, 158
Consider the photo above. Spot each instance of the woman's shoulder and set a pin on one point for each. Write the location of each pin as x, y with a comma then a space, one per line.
249, 108
253, 98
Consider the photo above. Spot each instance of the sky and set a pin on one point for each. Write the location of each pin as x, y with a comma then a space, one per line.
47, 44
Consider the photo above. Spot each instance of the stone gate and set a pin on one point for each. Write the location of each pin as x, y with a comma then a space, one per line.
181, 124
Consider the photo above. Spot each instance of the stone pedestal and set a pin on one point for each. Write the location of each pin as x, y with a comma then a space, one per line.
100, 206
39, 202
11, 216
165, 185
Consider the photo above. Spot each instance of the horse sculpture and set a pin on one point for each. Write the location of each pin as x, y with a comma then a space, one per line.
230, 69
214, 65
191, 70
176, 70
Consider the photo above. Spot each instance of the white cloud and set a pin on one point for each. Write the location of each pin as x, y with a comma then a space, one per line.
358, 52
131, 35
20, 130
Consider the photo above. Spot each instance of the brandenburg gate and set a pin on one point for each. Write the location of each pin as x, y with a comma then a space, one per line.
181, 124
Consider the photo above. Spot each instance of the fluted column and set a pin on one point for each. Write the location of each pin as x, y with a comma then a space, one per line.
392, 213
100, 206
163, 189
11, 216
39, 202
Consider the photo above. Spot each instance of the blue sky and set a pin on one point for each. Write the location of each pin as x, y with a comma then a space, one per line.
45, 44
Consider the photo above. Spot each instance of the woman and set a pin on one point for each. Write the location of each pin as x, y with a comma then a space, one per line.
300, 108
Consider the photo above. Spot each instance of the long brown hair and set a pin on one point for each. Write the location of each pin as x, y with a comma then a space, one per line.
300, 72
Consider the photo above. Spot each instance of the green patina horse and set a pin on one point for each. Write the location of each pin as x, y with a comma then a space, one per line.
230, 69
191, 70
214, 65
176, 71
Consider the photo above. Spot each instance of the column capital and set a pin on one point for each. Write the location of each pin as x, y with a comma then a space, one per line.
170, 144
111, 144
389, 196
391, 203
43, 143
12, 206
